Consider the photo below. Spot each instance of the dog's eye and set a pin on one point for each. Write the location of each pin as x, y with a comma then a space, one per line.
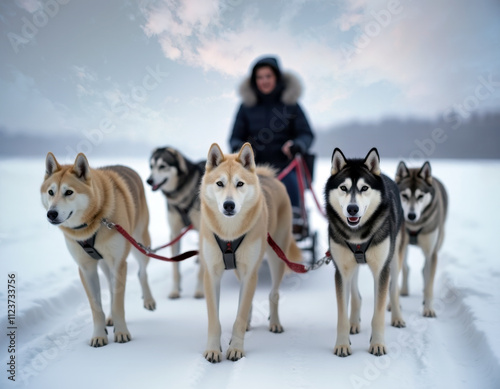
240, 184
51, 192
420, 197
405, 197
364, 188
220, 184
343, 188
68, 193
161, 167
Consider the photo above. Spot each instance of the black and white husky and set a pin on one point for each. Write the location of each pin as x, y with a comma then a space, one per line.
179, 179
366, 226
425, 204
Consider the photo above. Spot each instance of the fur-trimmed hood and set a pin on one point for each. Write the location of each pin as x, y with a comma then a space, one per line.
292, 90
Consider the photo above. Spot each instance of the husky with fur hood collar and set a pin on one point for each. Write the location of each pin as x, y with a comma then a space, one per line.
268, 121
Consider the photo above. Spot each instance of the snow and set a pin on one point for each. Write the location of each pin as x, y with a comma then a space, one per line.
458, 349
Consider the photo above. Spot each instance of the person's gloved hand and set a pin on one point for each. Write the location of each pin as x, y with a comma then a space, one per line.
296, 148
290, 148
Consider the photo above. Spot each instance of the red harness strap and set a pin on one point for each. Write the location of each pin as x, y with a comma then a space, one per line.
146, 251
296, 267
183, 232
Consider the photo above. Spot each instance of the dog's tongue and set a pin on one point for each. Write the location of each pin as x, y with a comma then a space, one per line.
155, 187
353, 219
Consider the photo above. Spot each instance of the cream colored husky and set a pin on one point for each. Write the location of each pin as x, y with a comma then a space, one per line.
77, 199
240, 204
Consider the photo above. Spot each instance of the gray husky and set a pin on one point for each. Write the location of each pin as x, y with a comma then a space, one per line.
366, 226
425, 204
179, 179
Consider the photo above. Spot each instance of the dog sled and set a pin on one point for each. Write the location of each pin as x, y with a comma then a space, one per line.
305, 236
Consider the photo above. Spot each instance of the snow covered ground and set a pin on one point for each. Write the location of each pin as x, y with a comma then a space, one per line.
458, 349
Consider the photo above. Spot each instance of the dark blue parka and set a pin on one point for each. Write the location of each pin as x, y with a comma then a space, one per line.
268, 121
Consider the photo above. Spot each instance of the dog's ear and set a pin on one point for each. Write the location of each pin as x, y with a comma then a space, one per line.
338, 161
81, 167
246, 158
425, 172
182, 164
402, 172
51, 165
180, 159
372, 161
215, 157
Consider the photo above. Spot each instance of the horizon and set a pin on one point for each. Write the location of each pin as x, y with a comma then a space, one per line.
151, 70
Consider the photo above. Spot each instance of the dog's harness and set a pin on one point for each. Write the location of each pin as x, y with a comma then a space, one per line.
359, 250
184, 213
88, 247
414, 235
228, 248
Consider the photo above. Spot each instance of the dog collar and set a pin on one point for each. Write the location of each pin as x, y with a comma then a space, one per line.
359, 250
413, 236
84, 225
88, 247
228, 248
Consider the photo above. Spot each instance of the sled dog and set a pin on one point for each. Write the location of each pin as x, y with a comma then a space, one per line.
179, 179
77, 199
425, 204
240, 204
365, 225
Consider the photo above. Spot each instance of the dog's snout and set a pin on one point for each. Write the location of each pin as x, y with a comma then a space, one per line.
352, 209
412, 216
52, 215
150, 181
229, 206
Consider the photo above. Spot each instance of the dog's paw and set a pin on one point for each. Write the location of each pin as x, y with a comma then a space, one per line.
404, 292
122, 337
276, 328
109, 322
199, 294
342, 350
213, 356
98, 341
175, 294
377, 349
398, 323
150, 304
234, 354
355, 328
429, 312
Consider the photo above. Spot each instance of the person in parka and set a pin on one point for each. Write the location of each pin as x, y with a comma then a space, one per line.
271, 119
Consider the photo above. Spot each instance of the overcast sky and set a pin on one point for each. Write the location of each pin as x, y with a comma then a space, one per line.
167, 71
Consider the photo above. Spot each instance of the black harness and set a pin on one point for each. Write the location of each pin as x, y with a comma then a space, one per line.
359, 250
184, 213
88, 247
414, 236
228, 248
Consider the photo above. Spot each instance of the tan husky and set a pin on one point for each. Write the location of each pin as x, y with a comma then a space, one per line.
240, 204
77, 199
